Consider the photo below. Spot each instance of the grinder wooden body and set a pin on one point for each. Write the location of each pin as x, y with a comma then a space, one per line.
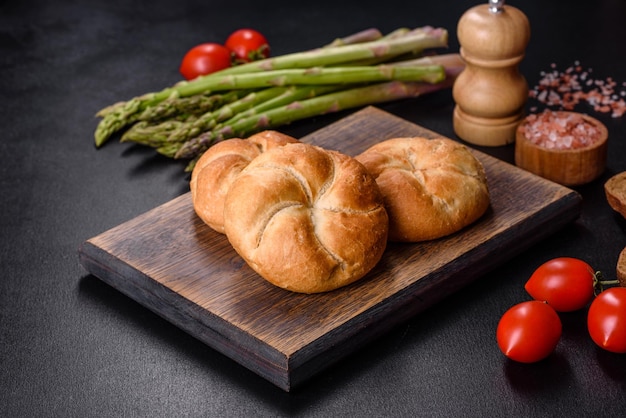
491, 93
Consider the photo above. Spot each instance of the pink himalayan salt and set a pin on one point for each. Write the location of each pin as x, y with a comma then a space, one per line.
559, 130
566, 89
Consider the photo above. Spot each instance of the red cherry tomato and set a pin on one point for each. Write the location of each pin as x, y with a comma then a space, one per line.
606, 320
564, 283
529, 331
205, 59
248, 45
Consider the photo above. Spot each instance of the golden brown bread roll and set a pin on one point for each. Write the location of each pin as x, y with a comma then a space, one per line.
431, 187
615, 189
306, 219
621, 268
220, 165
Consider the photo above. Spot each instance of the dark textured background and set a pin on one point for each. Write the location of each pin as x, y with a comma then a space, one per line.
72, 346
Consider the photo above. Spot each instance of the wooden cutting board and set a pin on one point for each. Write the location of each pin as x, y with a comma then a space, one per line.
170, 262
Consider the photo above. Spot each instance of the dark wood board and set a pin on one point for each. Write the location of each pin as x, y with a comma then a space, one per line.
170, 262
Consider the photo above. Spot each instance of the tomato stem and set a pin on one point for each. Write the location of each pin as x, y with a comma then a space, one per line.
599, 284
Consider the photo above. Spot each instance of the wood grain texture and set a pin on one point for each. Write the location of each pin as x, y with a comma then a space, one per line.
571, 166
490, 92
170, 262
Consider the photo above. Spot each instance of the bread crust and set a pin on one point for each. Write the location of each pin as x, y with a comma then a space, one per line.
621, 268
431, 187
218, 167
306, 219
615, 190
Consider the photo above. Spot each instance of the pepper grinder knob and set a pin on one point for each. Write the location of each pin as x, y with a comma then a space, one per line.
496, 6
490, 93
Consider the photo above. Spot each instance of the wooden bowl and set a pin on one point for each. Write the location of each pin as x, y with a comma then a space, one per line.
569, 166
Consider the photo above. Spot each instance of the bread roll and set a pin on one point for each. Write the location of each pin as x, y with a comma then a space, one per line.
219, 166
431, 187
306, 219
615, 190
621, 268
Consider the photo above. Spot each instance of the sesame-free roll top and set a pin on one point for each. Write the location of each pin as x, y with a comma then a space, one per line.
431, 187
306, 219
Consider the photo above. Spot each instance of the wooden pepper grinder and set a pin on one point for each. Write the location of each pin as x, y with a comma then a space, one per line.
490, 93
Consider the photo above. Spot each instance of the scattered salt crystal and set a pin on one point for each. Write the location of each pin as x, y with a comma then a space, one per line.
566, 89
542, 96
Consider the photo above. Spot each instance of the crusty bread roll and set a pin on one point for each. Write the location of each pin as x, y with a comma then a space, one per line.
306, 219
216, 169
615, 190
431, 187
621, 268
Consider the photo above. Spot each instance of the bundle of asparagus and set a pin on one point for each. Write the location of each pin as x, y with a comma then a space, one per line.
366, 68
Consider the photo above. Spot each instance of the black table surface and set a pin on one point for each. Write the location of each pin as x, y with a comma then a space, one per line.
72, 346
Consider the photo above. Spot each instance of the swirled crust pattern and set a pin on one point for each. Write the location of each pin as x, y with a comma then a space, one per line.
306, 219
218, 167
431, 187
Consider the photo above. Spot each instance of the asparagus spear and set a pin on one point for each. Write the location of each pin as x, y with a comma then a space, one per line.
453, 64
330, 78
231, 104
151, 130
169, 149
182, 107
272, 117
210, 119
293, 94
161, 134
387, 58
366, 35
326, 76
247, 106
120, 115
332, 102
151, 135
416, 40
117, 117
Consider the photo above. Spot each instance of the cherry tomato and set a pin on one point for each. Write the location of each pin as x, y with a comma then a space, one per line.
606, 320
564, 283
205, 59
248, 45
529, 331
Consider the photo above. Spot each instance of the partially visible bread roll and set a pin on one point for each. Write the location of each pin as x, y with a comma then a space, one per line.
219, 166
306, 219
431, 187
615, 189
621, 268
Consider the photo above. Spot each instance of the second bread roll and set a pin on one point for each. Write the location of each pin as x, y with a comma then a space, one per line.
431, 187
306, 219
218, 167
